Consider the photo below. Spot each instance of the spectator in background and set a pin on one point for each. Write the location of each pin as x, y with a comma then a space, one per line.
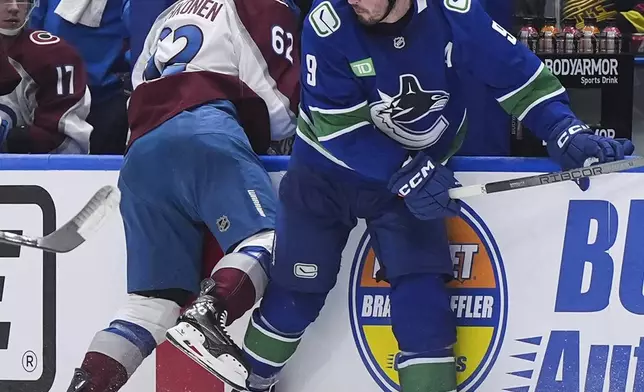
630, 17
144, 12
97, 30
46, 112
628, 13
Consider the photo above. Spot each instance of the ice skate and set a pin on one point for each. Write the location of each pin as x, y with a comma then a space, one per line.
201, 334
79, 381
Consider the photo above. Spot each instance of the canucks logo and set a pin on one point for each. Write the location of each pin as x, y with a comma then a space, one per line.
403, 117
478, 298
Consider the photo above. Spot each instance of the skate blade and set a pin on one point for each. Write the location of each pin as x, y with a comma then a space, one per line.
185, 332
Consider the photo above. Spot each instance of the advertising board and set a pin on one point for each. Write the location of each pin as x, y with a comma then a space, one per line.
547, 290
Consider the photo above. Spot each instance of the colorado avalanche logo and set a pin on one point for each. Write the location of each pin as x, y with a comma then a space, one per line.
401, 117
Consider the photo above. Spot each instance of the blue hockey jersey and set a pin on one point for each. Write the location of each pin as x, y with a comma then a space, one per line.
369, 97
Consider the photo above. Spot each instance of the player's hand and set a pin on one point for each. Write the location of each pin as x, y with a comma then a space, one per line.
424, 186
578, 146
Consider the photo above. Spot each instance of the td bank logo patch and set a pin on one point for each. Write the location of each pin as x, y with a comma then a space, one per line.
478, 298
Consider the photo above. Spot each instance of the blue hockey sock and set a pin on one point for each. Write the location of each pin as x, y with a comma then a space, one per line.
425, 328
276, 328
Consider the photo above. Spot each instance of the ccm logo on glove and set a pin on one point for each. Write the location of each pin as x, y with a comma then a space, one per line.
565, 136
424, 187
416, 179
578, 146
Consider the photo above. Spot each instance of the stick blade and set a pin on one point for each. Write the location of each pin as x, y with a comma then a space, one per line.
88, 221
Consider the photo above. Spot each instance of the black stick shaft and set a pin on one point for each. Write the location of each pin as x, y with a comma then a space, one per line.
551, 178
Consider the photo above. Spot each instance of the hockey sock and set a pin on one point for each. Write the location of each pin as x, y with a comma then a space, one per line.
117, 351
426, 372
240, 277
276, 328
425, 329
266, 349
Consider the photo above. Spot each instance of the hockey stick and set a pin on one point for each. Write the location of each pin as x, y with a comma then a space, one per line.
543, 179
77, 230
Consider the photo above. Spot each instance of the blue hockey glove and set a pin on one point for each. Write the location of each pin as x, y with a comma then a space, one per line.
424, 186
578, 146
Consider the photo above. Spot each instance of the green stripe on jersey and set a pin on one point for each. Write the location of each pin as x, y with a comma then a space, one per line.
305, 131
542, 86
428, 377
269, 347
459, 138
331, 123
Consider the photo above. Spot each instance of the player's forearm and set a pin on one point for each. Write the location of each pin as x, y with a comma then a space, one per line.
521, 83
541, 102
32, 140
550, 118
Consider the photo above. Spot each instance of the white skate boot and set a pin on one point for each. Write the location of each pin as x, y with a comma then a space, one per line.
201, 334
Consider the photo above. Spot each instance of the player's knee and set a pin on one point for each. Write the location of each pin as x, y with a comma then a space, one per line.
154, 315
289, 311
241, 276
179, 296
136, 330
421, 317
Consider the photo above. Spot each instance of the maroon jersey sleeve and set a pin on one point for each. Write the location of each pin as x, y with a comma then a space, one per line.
260, 18
9, 78
62, 98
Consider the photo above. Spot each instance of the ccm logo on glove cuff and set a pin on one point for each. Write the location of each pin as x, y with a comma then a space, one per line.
565, 136
417, 179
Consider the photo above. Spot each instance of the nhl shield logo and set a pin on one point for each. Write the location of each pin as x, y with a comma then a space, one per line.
223, 224
399, 42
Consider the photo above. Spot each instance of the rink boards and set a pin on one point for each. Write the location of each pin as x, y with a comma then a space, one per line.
548, 290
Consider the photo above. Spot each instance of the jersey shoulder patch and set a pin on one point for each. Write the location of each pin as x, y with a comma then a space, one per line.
43, 38
460, 6
40, 51
324, 19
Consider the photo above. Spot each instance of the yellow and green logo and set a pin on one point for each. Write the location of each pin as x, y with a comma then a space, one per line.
479, 298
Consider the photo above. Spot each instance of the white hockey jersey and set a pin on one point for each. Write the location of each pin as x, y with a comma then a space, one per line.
245, 51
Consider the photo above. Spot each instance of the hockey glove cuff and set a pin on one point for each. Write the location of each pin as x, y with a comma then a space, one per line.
4, 131
424, 185
577, 146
